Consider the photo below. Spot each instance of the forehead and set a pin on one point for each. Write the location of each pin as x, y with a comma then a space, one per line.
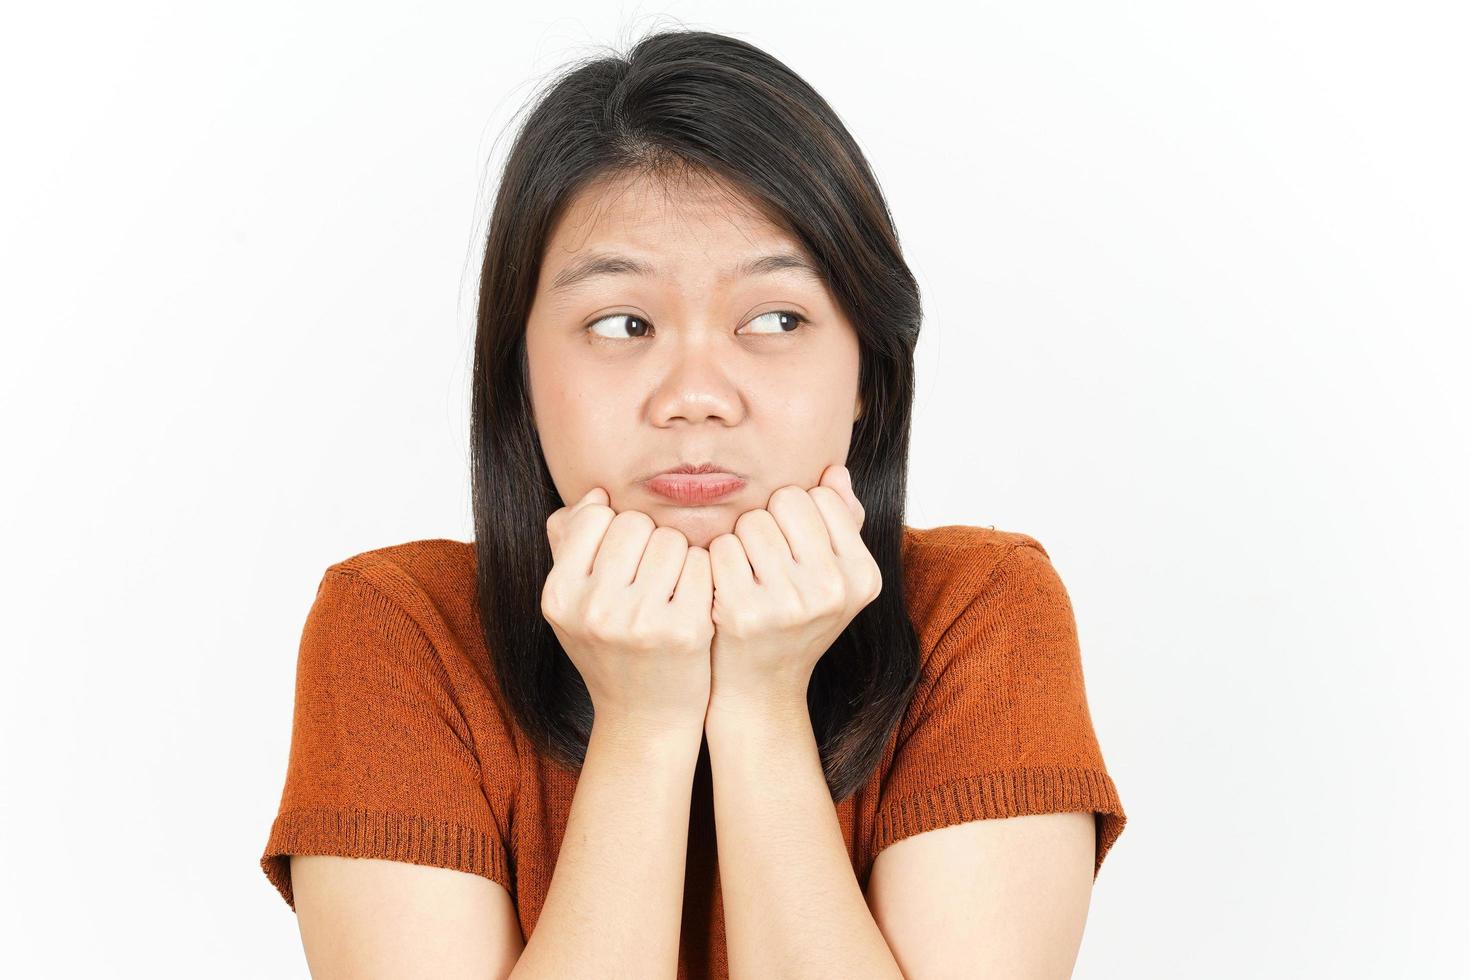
656, 213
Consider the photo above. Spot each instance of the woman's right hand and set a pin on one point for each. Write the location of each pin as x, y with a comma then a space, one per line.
630, 603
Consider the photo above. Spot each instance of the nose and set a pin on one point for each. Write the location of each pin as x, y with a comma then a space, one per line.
694, 385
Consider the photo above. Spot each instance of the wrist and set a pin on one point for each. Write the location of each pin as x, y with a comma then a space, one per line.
752, 714
641, 732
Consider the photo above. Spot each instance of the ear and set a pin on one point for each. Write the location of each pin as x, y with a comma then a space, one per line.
858, 407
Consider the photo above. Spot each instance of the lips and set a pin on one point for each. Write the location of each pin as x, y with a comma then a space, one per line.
695, 484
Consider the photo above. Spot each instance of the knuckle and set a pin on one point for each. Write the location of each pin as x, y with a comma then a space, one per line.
692, 638
739, 620
789, 492
827, 492
551, 604
633, 517
644, 625
597, 619
830, 593
672, 534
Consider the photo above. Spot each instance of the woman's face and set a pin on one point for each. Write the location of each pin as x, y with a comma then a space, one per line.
692, 359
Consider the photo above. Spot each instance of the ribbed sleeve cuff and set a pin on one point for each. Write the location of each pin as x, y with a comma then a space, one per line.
1011, 793
390, 836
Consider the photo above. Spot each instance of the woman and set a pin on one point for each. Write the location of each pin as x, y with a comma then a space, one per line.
527, 751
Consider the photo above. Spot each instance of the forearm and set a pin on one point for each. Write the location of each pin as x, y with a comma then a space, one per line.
615, 901
793, 906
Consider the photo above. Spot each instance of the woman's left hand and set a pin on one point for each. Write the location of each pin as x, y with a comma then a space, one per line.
787, 581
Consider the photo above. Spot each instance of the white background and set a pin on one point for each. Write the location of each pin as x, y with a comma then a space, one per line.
1195, 283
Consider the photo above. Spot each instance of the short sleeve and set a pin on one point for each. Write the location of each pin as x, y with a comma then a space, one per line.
382, 761
999, 725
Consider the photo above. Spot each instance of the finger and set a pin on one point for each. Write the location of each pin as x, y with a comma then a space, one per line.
693, 593
839, 478
662, 562
623, 544
582, 535
802, 525
842, 529
730, 568
557, 521
765, 546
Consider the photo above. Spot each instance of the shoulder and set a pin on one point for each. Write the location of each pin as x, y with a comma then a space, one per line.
428, 578
948, 569
424, 562
413, 604
425, 586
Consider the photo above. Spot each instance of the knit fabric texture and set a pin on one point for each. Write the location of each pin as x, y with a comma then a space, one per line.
402, 749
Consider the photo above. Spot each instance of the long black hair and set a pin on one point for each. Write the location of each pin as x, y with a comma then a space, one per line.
684, 102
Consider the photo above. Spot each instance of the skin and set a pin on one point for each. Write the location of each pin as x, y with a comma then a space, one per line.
789, 572
697, 380
689, 365
708, 377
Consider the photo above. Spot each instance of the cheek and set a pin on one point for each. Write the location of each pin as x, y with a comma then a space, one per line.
552, 383
552, 390
810, 401
582, 424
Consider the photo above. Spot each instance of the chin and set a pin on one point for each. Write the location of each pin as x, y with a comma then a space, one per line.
700, 524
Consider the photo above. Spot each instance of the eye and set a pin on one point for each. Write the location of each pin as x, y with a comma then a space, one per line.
621, 334
642, 327
793, 320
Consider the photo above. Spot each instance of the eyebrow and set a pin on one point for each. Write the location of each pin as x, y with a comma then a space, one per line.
607, 264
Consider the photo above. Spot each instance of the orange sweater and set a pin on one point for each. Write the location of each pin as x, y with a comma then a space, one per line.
400, 751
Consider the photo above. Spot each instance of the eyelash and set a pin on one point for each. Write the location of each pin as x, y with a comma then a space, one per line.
800, 320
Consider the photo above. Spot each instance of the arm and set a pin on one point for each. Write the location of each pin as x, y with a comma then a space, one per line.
616, 897
389, 843
1011, 893
793, 906
612, 909
787, 581
996, 810
367, 918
